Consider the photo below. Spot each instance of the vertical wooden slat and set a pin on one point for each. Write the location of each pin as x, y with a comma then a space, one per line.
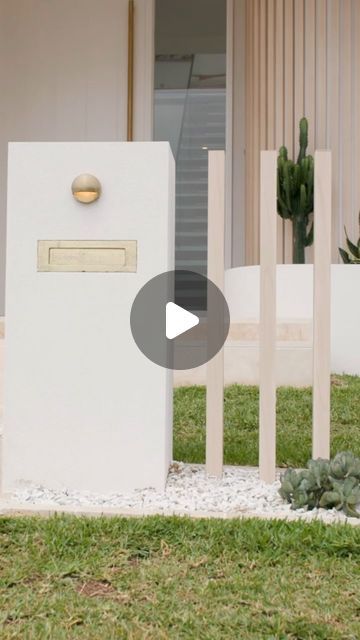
299, 66
320, 88
237, 84
346, 131
310, 70
279, 105
263, 54
130, 71
322, 306
256, 135
356, 112
216, 262
270, 115
333, 119
289, 105
250, 126
230, 131
299, 70
355, 115
310, 82
267, 421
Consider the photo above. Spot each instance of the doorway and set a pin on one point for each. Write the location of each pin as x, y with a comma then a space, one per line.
190, 112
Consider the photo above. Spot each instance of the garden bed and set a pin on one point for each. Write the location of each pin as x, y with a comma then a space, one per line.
239, 493
189, 491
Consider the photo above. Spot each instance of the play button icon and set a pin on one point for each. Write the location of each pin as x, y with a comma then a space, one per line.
179, 319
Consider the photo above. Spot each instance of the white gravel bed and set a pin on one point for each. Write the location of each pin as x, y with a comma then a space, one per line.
188, 491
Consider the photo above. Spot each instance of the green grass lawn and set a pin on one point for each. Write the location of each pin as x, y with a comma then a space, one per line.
157, 577
294, 423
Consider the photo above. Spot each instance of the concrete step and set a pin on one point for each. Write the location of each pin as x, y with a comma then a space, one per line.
241, 366
241, 355
287, 331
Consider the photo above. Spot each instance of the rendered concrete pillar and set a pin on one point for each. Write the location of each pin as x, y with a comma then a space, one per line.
84, 408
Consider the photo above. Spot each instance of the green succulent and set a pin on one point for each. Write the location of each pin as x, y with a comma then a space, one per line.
324, 483
303, 498
320, 469
345, 495
290, 481
345, 464
352, 256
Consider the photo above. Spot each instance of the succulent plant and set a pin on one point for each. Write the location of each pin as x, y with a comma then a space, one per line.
344, 465
324, 483
290, 481
320, 470
345, 495
295, 193
352, 256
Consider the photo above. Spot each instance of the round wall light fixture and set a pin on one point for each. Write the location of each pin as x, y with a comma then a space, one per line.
86, 188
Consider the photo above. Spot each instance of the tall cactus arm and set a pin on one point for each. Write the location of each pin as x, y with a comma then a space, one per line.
302, 198
303, 139
282, 209
297, 177
287, 185
283, 153
310, 193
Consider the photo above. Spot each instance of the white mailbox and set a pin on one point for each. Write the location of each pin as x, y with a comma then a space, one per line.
84, 408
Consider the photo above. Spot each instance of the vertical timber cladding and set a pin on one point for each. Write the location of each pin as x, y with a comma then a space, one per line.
302, 57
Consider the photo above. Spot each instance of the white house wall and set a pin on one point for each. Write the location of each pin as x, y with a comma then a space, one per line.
63, 76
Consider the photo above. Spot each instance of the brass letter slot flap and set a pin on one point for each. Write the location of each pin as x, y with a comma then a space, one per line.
87, 255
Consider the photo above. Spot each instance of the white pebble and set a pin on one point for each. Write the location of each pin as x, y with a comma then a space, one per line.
188, 490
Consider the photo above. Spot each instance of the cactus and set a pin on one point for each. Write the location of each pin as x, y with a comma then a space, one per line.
295, 193
353, 256
327, 484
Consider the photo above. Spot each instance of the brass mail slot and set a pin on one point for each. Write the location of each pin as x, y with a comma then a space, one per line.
87, 255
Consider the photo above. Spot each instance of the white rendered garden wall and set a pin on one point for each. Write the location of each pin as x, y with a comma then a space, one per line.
84, 408
294, 313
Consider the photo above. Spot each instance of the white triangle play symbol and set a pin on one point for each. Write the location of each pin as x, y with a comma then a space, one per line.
178, 320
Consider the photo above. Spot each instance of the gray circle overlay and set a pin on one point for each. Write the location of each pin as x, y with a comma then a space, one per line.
196, 294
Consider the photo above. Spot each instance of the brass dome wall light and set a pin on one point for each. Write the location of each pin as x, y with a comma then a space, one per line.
86, 188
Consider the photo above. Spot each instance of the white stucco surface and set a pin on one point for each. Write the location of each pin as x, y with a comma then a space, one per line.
295, 302
294, 313
63, 76
83, 407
